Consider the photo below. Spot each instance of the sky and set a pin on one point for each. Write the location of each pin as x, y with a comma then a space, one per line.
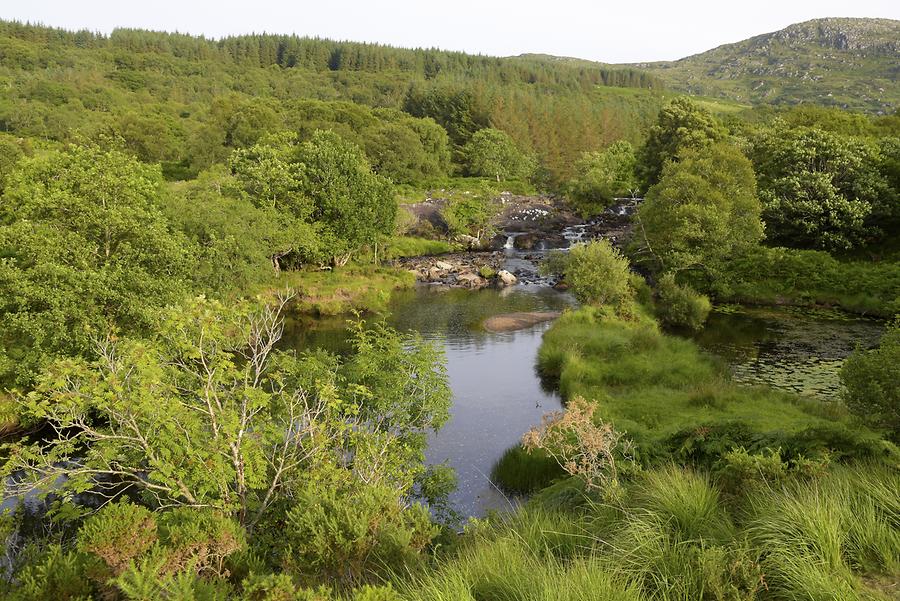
614, 32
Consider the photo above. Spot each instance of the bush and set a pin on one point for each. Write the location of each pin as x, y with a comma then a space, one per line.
521, 472
51, 574
350, 536
117, 535
598, 274
680, 306
872, 383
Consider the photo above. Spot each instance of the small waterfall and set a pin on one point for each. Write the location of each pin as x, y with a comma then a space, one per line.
574, 234
510, 243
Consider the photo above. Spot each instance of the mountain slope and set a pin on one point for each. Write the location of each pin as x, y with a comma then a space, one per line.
850, 63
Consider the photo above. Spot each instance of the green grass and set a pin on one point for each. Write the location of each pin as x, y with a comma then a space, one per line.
351, 288
520, 472
674, 537
409, 246
653, 385
818, 535
806, 277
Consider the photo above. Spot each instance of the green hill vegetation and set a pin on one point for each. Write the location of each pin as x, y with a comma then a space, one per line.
165, 200
846, 63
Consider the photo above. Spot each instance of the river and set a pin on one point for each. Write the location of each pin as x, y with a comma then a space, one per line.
498, 396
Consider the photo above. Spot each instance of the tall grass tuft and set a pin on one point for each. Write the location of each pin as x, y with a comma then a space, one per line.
814, 535
520, 472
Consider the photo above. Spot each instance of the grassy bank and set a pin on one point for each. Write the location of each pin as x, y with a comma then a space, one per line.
359, 286
679, 535
351, 288
676, 401
806, 277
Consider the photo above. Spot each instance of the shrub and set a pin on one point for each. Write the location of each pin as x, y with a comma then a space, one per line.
583, 445
349, 536
598, 274
872, 383
52, 574
680, 306
117, 535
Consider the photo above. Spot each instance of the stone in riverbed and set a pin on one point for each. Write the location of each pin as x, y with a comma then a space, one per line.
506, 278
471, 280
509, 322
443, 266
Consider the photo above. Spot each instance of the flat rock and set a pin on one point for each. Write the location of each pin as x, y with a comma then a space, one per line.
509, 322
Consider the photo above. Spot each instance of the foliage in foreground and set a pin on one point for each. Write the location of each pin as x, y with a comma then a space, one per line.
682, 534
871, 381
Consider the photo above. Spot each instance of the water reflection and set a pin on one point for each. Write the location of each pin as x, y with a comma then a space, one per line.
795, 349
497, 395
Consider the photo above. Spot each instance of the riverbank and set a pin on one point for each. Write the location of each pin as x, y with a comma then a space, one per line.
783, 276
675, 400
363, 288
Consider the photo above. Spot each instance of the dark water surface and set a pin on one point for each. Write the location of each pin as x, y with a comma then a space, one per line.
791, 348
497, 395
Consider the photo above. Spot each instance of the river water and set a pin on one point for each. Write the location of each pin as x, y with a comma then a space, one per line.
498, 396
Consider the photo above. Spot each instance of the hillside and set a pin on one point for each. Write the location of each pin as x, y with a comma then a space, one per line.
187, 101
847, 63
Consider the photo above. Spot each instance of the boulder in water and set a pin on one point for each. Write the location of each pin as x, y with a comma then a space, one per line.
509, 322
506, 278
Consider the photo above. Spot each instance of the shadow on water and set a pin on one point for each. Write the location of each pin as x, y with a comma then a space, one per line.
497, 394
790, 348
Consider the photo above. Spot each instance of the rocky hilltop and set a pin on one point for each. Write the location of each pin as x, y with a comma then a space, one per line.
850, 63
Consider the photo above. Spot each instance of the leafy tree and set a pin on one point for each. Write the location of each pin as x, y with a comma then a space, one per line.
681, 125
207, 414
239, 244
353, 205
469, 215
703, 211
270, 181
886, 214
407, 150
453, 108
11, 152
870, 379
818, 188
396, 152
86, 249
602, 176
597, 274
492, 153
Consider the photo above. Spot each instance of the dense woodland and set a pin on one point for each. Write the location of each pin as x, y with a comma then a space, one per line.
167, 200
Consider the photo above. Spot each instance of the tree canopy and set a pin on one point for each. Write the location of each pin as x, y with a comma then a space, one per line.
819, 188
601, 176
680, 125
493, 153
86, 251
703, 212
